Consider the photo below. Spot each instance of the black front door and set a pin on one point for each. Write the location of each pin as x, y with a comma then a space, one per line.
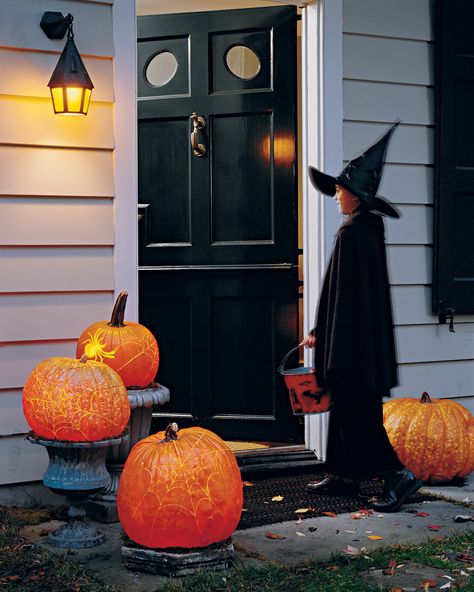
217, 230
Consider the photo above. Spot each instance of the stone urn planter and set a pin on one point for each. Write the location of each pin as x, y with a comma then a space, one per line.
143, 402
76, 469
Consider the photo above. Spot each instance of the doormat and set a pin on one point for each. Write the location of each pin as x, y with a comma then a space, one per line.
260, 509
236, 446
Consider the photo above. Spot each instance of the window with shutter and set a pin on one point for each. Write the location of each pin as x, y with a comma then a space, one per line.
453, 273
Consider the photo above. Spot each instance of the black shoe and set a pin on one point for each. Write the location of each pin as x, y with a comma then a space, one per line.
399, 485
333, 485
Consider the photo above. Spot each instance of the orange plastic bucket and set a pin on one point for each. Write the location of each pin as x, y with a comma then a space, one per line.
305, 394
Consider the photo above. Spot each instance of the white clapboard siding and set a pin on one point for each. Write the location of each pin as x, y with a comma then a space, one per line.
28, 73
17, 360
56, 269
55, 171
374, 101
21, 460
92, 26
55, 221
408, 183
11, 412
425, 343
410, 19
412, 306
32, 121
34, 317
387, 60
410, 264
410, 144
415, 226
440, 379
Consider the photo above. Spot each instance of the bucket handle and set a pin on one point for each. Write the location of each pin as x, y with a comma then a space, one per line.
281, 367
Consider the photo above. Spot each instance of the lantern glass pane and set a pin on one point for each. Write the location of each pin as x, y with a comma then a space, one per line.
87, 99
74, 99
58, 102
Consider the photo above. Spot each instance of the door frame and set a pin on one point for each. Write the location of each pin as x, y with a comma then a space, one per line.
322, 115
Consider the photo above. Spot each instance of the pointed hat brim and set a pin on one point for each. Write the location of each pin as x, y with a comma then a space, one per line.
327, 184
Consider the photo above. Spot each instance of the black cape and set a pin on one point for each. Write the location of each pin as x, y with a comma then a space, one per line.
354, 325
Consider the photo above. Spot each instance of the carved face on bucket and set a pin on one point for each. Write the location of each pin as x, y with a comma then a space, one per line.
346, 201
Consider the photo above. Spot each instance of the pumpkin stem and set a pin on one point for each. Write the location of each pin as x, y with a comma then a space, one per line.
118, 313
83, 359
171, 432
425, 398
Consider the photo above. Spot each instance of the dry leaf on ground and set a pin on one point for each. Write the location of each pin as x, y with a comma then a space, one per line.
300, 533
375, 537
277, 498
273, 535
247, 484
329, 514
301, 510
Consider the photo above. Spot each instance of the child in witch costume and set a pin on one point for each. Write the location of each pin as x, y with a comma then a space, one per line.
354, 349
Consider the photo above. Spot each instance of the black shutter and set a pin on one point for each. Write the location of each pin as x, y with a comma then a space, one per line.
453, 273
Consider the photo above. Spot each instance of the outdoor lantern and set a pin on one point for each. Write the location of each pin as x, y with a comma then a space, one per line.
70, 84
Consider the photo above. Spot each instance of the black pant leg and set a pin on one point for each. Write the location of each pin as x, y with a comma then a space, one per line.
358, 445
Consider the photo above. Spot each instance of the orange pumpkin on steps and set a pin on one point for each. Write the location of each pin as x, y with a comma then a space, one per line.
75, 400
129, 348
180, 490
434, 438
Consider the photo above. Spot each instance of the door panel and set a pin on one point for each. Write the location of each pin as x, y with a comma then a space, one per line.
218, 233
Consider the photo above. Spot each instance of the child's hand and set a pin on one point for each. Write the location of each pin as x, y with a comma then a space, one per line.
309, 340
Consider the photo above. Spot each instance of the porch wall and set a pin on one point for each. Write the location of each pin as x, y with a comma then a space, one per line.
388, 74
56, 207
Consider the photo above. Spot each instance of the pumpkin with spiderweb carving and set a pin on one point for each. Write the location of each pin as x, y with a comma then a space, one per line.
75, 400
180, 490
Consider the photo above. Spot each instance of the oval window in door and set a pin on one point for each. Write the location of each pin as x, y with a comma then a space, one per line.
243, 62
161, 68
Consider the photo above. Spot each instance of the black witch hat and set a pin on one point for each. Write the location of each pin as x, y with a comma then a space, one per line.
361, 176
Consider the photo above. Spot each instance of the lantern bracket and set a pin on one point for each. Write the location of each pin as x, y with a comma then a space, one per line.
55, 25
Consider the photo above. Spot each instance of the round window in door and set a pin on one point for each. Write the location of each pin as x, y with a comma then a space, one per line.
243, 62
161, 68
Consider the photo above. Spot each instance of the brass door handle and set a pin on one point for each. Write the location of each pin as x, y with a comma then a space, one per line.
198, 123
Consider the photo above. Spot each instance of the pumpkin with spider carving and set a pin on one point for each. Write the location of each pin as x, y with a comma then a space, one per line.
129, 348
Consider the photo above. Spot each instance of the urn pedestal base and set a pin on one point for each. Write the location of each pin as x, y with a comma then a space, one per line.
102, 506
178, 564
76, 469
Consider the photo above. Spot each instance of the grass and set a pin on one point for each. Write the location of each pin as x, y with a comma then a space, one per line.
28, 568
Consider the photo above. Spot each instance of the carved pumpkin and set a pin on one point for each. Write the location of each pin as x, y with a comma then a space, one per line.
434, 438
129, 348
75, 400
180, 490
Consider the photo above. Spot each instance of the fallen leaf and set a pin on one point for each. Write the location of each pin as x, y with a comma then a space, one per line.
351, 531
422, 514
301, 510
375, 537
349, 550
300, 533
463, 518
429, 584
380, 516
369, 531
434, 527
466, 499
329, 514
332, 568
395, 590
299, 521
247, 484
463, 573
449, 578
447, 585
437, 539
277, 498
244, 510
273, 535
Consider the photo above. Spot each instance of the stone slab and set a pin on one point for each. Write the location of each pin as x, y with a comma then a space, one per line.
177, 564
105, 512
